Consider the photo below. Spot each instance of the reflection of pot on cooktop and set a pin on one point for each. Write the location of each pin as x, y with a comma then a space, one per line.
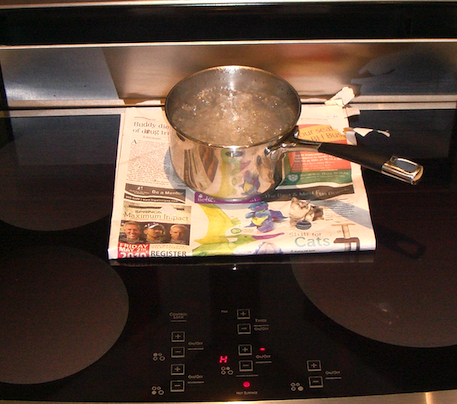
411, 307
61, 309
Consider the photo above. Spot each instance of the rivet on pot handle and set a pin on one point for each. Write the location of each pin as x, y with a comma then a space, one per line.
392, 166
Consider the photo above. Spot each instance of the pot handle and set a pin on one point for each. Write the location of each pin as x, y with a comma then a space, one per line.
392, 166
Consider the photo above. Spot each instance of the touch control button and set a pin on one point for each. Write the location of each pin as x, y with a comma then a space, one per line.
246, 366
314, 366
178, 352
244, 328
243, 314
177, 386
178, 336
244, 350
178, 369
316, 382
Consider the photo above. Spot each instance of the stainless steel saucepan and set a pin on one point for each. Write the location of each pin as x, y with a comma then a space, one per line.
234, 125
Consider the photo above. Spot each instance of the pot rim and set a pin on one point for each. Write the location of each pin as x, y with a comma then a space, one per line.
267, 141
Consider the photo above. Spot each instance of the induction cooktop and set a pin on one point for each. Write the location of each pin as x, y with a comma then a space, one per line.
75, 327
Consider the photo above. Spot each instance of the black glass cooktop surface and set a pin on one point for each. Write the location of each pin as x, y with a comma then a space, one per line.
235, 332
76, 327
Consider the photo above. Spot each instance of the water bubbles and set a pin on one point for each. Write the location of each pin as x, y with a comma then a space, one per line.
226, 117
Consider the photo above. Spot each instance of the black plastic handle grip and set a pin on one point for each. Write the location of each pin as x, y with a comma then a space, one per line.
369, 158
392, 166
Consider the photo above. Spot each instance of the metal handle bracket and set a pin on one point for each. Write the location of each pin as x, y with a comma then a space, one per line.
403, 169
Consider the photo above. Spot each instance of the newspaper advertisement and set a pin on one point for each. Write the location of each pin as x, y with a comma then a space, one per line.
321, 205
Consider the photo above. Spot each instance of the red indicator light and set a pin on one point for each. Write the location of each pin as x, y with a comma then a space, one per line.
262, 349
246, 385
223, 359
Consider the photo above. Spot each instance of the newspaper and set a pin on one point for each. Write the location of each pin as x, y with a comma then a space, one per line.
321, 206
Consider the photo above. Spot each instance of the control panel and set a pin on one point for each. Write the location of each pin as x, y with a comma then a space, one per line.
241, 348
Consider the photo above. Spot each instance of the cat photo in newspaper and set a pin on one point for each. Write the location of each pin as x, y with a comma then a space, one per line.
304, 211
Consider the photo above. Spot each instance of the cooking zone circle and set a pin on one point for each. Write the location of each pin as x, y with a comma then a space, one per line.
54, 169
61, 309
410, 307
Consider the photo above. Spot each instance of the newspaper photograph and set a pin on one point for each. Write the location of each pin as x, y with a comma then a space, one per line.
321, 205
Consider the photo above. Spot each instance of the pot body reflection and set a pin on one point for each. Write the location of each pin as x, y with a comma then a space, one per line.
227, 173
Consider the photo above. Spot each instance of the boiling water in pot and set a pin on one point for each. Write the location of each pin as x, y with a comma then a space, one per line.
227, 117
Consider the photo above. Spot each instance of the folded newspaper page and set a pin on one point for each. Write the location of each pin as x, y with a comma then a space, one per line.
321, 206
